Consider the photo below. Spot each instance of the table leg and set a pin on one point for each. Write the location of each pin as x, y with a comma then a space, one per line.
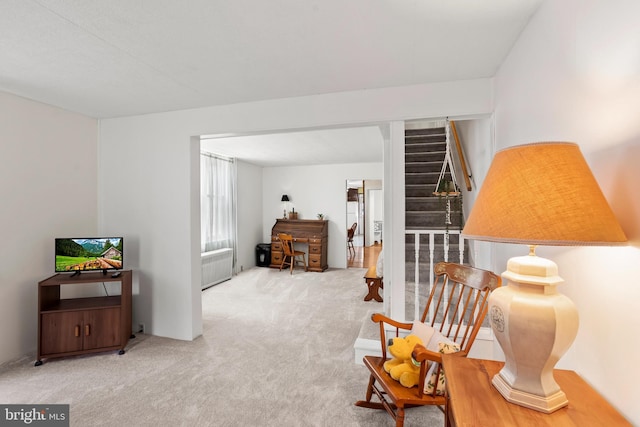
373, 285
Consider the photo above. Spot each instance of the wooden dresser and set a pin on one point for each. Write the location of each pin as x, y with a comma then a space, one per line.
313, 232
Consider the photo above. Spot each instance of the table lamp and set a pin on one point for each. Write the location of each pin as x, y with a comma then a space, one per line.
537, 194
284, 200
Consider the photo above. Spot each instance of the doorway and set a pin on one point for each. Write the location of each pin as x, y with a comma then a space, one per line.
364, 212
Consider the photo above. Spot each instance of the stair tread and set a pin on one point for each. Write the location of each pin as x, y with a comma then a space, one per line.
424, 162
425, 131
423, 173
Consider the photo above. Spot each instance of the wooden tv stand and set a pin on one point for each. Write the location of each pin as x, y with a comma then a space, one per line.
73, 326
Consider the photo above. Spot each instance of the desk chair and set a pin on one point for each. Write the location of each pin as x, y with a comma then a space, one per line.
290, 253
350, 233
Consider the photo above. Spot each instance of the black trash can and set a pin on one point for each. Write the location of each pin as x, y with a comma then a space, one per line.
263, 254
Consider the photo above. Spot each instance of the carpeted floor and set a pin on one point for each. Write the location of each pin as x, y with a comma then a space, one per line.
276, 350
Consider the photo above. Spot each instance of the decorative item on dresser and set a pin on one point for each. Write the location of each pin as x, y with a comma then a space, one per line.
313, 232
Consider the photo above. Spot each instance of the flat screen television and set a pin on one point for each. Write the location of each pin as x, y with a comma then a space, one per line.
89, 254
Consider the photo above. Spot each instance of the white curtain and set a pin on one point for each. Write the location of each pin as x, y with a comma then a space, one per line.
218, 203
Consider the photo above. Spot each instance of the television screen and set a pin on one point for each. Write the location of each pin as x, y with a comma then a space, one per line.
86, 254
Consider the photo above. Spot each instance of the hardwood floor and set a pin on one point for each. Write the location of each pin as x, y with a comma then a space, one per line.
364, 257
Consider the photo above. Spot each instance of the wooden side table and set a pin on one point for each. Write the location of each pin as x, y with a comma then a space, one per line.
473, 401
374, 284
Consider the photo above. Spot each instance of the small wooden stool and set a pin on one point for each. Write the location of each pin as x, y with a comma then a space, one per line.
374, 283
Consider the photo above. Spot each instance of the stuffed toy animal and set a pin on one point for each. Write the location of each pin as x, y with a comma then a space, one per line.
402, 367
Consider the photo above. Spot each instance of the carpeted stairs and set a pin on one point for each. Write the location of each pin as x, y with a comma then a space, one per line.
424, 156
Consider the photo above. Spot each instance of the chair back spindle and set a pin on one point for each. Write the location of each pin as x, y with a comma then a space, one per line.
459, 297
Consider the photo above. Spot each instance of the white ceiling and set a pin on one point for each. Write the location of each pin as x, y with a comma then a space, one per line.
314, 147
113, 58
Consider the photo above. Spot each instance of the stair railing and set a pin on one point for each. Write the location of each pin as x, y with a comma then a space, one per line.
485, 331
460, 153
432, 239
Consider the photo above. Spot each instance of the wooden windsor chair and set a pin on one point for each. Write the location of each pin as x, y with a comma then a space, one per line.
291, 256
451, 320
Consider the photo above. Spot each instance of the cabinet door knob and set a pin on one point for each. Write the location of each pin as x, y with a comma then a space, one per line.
77, 331
87, 330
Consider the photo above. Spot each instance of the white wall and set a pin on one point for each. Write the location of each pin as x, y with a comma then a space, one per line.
312, 190
477, 139
250, 202
574, 75
48, 189
374, 208
157, 158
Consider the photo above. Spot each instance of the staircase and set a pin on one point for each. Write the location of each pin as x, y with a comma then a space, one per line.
425, 151
424, 157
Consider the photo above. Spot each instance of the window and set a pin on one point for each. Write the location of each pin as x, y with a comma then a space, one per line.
217, 202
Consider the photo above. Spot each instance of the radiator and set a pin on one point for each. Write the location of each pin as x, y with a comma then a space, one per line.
216, 266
